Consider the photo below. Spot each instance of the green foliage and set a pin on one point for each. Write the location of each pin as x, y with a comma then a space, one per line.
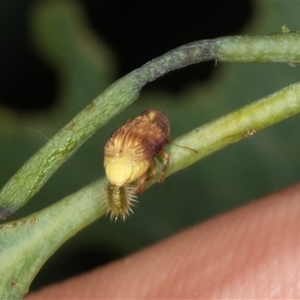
238, 174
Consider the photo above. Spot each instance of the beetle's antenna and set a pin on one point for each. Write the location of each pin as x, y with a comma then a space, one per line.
39, 133
184, 147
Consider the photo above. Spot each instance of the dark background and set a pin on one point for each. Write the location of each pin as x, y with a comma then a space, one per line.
137, 31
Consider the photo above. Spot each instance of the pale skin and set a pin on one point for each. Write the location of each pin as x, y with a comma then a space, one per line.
250, 252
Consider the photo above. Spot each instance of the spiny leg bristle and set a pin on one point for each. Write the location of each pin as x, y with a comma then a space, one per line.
120, 201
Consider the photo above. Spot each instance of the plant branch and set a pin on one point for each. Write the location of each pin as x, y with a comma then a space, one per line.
57, 223
38, 169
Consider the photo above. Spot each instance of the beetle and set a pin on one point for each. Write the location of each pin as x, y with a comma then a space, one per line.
129, 153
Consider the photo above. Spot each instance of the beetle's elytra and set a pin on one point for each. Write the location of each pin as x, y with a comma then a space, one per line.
130, 151
129, 157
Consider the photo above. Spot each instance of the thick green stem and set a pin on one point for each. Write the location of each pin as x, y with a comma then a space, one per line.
21, 240
59, 222
239, 124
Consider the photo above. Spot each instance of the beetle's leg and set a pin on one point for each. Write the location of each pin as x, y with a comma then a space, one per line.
144, 178
140, 187
163, 153
152, 169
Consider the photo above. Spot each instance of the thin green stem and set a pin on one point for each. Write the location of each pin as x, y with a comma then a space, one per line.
38, 169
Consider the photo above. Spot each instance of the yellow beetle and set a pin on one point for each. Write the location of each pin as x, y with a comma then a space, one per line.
129, 154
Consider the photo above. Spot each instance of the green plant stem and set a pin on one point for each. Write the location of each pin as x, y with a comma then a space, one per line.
38, 169
65, 218
239, 124
53, 225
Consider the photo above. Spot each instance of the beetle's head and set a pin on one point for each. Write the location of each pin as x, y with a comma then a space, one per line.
120, 170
